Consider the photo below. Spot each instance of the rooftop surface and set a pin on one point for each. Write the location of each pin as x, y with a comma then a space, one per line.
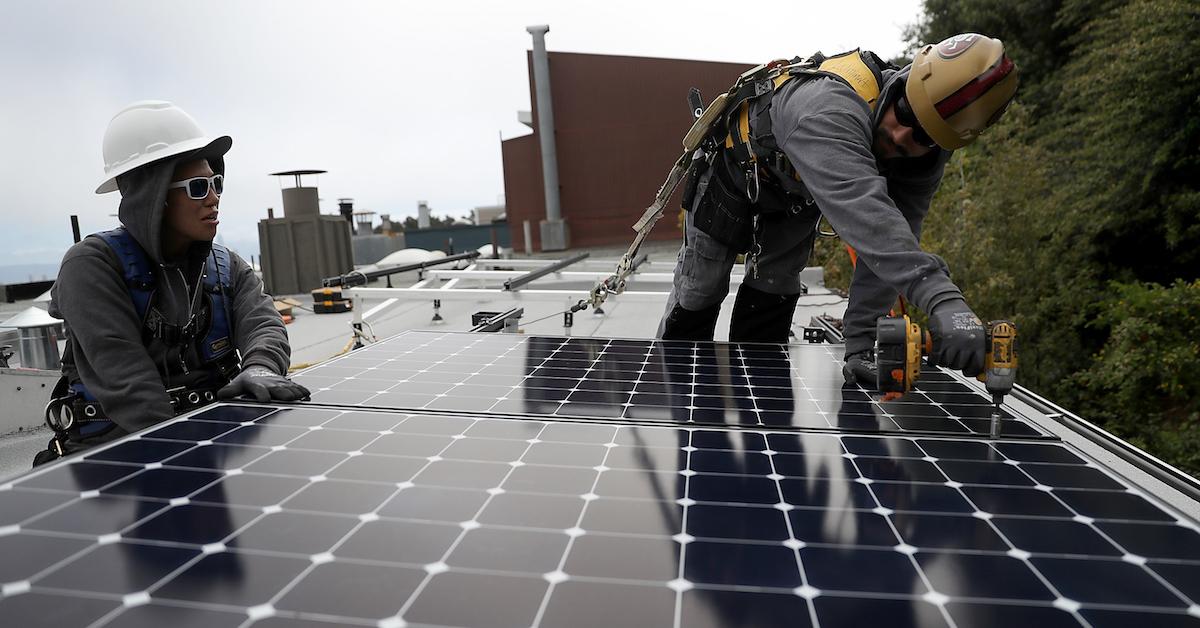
530, 476
319, 337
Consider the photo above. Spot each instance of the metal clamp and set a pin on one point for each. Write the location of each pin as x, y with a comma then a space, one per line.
814, 335
600, 292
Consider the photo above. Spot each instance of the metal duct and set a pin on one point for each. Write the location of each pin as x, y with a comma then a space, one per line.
545, 114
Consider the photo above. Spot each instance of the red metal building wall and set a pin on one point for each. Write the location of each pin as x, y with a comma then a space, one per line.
618, 124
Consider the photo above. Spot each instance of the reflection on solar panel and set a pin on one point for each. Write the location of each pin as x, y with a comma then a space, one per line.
325, 515
676, 382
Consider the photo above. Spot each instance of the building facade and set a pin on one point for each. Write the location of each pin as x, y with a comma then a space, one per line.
619, 123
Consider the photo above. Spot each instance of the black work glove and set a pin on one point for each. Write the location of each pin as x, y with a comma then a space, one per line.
860, 367
263, 384
958, 337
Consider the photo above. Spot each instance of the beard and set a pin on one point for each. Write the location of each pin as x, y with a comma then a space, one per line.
883, 147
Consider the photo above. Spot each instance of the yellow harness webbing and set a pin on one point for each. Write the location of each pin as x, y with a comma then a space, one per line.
848, 66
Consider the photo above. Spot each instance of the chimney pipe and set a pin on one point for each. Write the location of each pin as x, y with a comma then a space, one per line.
422, 215
346, 209
545, 113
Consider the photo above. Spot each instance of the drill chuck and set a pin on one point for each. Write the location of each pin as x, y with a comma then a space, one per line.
1000, 363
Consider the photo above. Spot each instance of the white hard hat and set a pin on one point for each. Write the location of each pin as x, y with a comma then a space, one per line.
150, 130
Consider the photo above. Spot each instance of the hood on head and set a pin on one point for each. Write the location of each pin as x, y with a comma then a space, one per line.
144, 197
893, 86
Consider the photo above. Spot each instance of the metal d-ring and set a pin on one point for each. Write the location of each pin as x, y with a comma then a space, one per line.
56, 409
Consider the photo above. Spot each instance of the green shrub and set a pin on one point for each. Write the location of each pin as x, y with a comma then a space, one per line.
1143, 383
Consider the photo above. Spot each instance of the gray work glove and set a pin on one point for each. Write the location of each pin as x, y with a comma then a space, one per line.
263, 384
860, 367
958, 337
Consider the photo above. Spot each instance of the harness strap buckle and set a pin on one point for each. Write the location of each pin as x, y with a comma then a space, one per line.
184, 398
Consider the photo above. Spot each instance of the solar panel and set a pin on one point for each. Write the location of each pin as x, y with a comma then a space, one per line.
320, 516
798, 386
560, 510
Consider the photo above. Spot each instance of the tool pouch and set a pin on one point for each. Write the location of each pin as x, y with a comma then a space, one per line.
721, 211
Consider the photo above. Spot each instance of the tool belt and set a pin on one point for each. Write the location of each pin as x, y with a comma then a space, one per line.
724, 212
73, 417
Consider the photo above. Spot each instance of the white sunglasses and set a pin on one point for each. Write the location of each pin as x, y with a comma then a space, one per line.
197, 187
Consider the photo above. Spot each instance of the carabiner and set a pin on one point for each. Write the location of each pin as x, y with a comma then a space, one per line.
755, 247
752, 182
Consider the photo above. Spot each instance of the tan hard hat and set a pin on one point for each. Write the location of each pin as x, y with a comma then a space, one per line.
959, 87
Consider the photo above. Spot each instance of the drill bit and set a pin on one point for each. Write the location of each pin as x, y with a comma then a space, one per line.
996, 429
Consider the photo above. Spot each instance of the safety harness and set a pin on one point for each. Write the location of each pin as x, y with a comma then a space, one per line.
747, 131
73, 412
739, 122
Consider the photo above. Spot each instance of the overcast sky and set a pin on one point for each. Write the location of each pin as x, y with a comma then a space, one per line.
399, 101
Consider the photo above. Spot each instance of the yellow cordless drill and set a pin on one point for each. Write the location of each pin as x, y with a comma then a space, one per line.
900, 343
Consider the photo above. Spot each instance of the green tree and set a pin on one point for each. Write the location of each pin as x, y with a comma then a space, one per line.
1141, 384
1030, 30
1073, 214
1128, 136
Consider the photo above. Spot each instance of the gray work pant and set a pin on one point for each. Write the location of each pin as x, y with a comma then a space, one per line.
703, 264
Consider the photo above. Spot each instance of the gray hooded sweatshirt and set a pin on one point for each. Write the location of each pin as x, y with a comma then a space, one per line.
876, 206
105, 347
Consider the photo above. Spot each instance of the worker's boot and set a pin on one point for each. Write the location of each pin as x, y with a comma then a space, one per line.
684, 324
760, 316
